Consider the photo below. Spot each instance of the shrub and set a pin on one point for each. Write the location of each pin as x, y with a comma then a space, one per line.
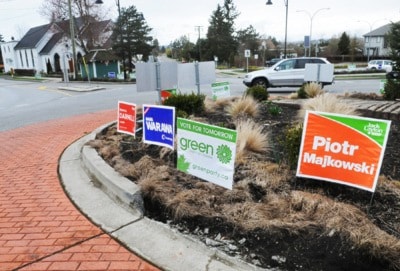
246, 106
391, 91
182, 114
273, 109
250, 138
313, 89
258, 93
189, 103
291, 144
211, 106
327, 103
309, 90
25, 72
301, 92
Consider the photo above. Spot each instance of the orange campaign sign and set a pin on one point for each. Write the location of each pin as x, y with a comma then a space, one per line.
126, 118
343, 149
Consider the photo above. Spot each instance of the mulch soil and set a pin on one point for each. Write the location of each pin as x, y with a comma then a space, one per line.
313, 247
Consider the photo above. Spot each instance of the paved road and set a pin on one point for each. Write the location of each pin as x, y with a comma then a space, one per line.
40, 229
23, 103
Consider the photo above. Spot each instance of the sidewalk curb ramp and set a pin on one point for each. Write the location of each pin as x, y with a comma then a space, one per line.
114, 203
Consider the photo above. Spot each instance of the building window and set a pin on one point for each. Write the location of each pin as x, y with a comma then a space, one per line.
22, 60
366, 39
33, 59
26, 57
385, 42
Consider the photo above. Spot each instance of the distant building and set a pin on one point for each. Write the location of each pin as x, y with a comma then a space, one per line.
47, 48
100, 64
376, 42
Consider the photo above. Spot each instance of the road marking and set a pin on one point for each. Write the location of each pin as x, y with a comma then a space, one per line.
44, 88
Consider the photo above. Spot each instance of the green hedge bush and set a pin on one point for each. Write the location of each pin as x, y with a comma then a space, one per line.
258, 93
189, 103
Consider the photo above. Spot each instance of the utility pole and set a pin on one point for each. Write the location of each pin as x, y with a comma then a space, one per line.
121, 39
198, 28
72, 33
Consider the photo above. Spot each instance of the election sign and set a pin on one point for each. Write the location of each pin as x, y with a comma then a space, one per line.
343, 149
126, 118
206, 151
159, 125
166, 93
220, 90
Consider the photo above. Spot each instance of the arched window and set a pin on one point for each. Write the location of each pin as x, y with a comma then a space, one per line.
57, 64
79, 61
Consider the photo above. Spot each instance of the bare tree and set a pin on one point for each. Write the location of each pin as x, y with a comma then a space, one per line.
85, 13
57, 10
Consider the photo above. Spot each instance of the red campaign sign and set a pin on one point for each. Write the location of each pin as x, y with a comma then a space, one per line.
165, 95
126, 118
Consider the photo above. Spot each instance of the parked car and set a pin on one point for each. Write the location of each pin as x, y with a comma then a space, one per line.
272, 62
380, 64
286, 73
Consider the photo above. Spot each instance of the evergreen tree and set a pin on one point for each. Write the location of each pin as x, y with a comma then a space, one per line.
248, 39
394, 44
392, 87
131, 36
182, 49
220, 35
344, 44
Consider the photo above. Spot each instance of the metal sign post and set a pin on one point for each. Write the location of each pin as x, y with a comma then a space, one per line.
247, 55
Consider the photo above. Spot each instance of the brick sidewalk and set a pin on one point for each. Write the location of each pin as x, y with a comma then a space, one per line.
40, 229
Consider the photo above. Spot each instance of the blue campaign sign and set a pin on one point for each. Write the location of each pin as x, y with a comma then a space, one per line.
159, 125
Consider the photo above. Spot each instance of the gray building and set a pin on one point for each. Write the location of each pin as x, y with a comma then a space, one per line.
376, 42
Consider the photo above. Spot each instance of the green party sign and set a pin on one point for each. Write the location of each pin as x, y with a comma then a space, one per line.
206, 151
220, 90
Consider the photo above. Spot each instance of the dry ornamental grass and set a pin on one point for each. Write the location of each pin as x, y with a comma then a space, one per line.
310, 225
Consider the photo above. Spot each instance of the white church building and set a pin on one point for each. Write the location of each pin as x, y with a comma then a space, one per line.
48, 48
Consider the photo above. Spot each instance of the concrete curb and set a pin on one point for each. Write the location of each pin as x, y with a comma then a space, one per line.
81, 88
114, 203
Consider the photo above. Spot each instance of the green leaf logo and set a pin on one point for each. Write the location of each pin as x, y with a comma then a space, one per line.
224, 154
182, 164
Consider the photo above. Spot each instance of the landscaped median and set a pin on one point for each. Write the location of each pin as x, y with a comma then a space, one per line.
114, 203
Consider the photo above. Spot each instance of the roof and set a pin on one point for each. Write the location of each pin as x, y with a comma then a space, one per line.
100, 56
32, 37
381, 31
51, 43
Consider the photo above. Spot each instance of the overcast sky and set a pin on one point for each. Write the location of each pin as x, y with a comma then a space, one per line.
171, 19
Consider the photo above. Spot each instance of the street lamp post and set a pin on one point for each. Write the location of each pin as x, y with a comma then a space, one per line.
72, 33
286, 23
311, 23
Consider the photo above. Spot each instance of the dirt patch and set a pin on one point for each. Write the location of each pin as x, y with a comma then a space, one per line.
271, 218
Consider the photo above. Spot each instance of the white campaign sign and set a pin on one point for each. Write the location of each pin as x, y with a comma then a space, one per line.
206, 151
220, 90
